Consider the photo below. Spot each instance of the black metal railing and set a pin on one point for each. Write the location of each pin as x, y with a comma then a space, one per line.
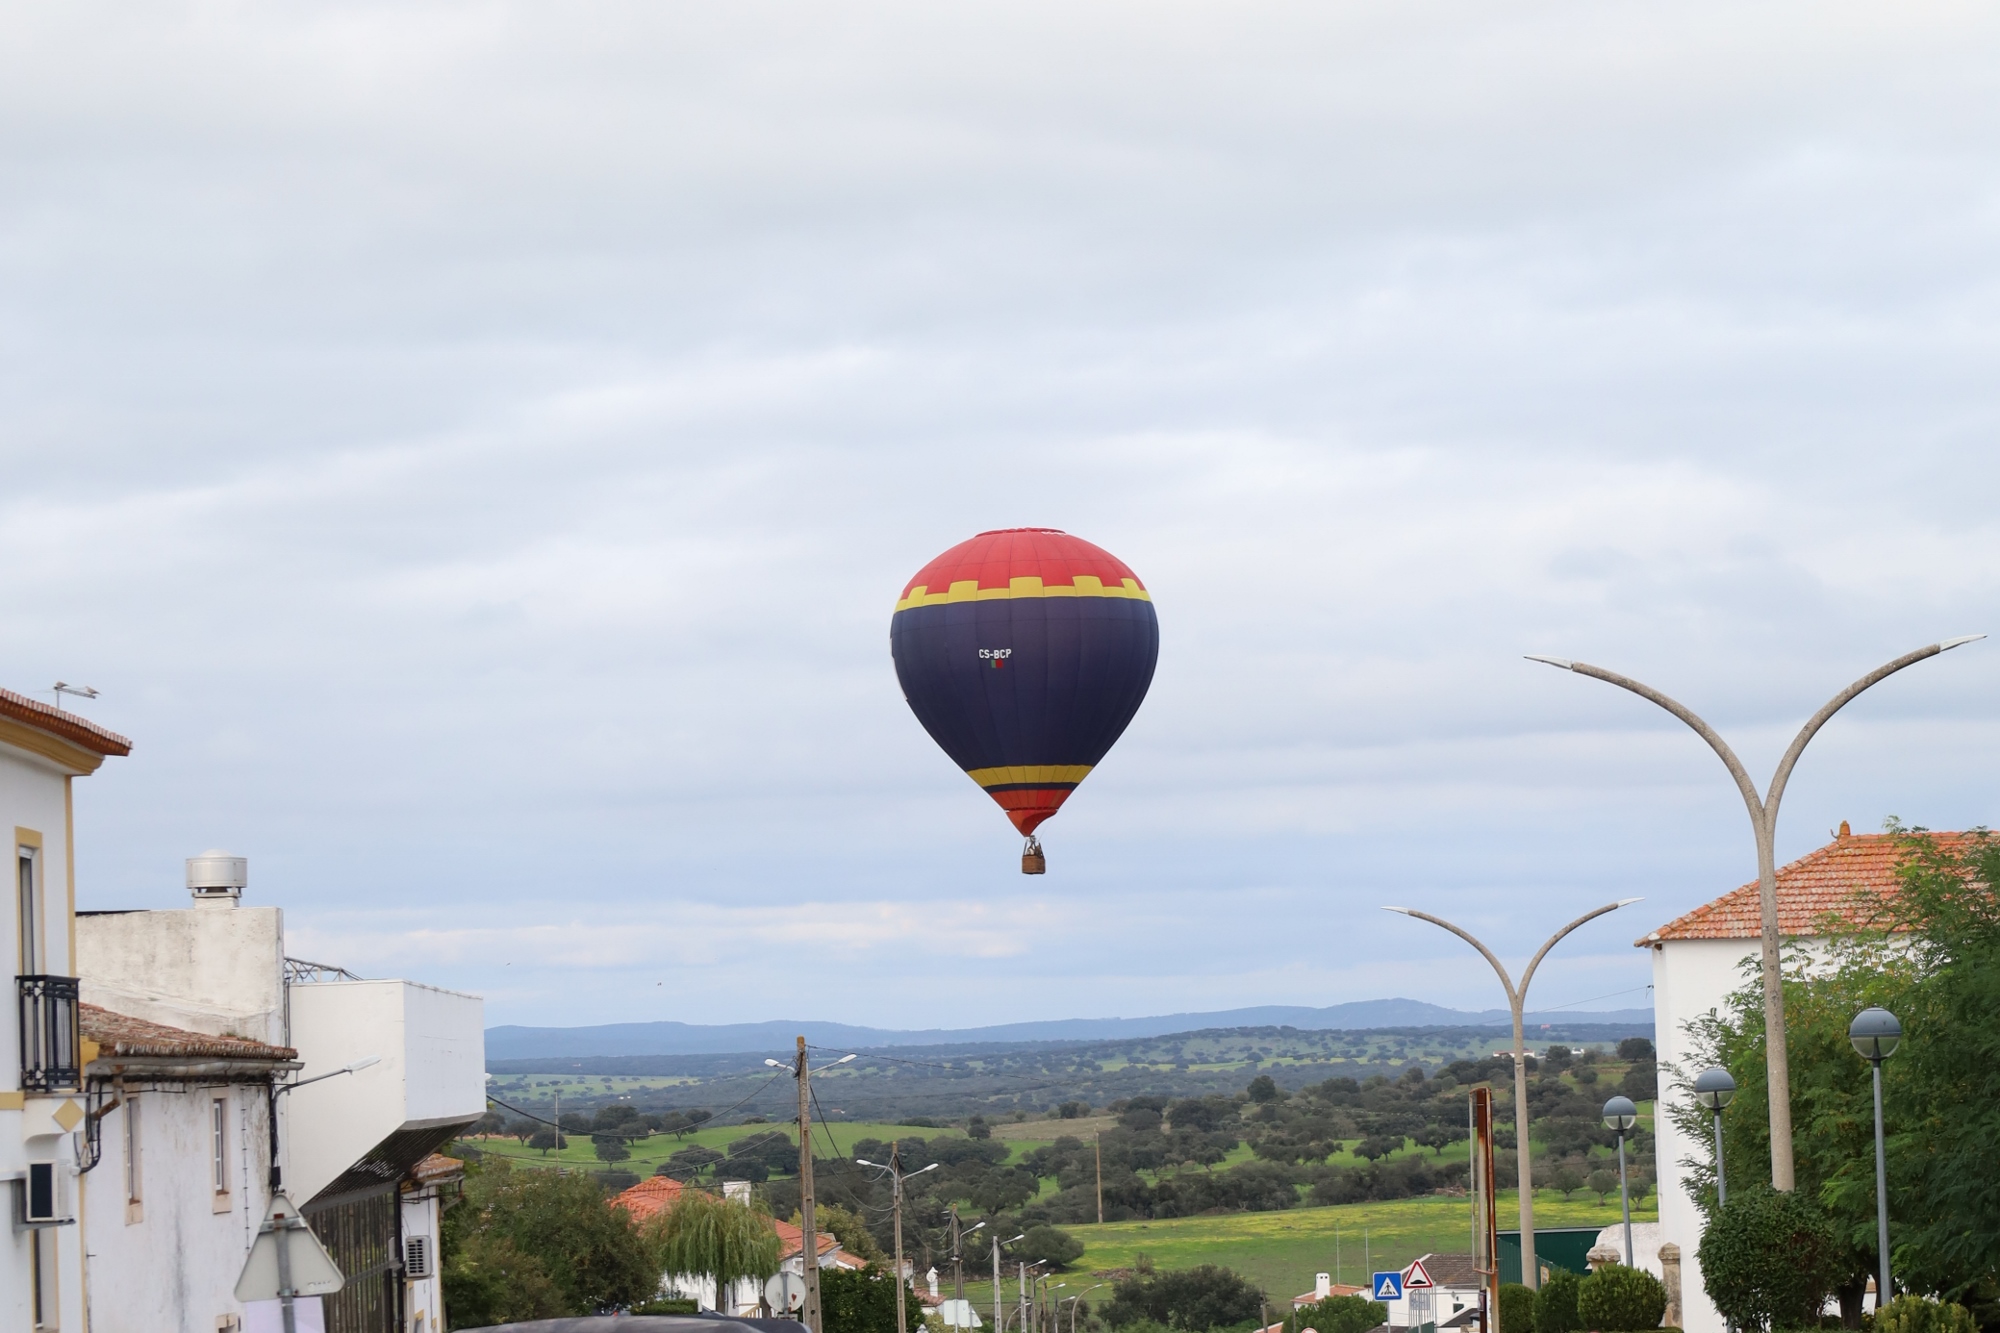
50, 1039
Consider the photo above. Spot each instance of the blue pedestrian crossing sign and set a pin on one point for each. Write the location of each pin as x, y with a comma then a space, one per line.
1388, 1286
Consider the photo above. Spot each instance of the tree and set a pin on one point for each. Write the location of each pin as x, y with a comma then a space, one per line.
1602, 1183
1617, 1297
1769, 1259
1342, 1314
847, 1227
1565, 1180
545, 1139
1555, 1303
1517, 1309
1057, 1248
1641, 1083
864, 1301
1196, 1299
532, 1244
1377, 1146
704, 1234
1637, 1050
609, 1147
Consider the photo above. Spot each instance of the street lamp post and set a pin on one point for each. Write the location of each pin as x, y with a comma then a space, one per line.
896, 1178
1876, 1034
1620, 1114
958, 1255
1517, 999
999, 1318
1077, 1300
1715, 1089
1764, 824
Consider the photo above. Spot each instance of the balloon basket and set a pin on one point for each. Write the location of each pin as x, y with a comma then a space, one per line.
1032, 860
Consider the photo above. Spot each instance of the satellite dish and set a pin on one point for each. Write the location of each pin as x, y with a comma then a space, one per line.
785, 1293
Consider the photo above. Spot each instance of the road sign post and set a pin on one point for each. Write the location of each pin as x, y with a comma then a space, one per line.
286, 1262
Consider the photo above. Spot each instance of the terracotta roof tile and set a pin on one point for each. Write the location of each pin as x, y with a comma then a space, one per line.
122, 1035
59, 722
437, 1167
1836, 880
650, 1197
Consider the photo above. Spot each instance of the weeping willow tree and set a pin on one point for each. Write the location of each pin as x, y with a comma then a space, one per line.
706, 1235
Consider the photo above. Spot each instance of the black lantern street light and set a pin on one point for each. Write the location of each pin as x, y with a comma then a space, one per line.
1876, 1034
1620, 1115
1714, 1089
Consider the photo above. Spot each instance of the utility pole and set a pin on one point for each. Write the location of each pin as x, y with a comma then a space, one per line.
958, 1254
895, 1170
1097, 1143
809, 1248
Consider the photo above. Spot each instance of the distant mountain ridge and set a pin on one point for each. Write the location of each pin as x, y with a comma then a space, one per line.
512, 1042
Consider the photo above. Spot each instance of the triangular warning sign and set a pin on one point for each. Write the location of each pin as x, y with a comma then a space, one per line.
1416, 1277
313, 1272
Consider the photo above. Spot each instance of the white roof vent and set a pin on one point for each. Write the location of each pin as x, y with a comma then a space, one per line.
217, 877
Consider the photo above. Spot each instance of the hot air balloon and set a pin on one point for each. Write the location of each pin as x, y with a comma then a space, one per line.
1025, 653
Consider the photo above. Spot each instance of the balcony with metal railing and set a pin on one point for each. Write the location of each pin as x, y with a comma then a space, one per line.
51, 1049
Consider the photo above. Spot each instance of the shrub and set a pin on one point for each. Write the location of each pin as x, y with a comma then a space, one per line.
864, 1301
1517, 1309
1619, 1298
1057, 1248
1555, 1303
1914, 1314
1769, 1259
1195, 1299
1342, 1314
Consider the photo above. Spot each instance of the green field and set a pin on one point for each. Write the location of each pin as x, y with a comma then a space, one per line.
1282, 1251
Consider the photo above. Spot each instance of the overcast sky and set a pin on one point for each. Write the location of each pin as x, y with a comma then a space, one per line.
475, 449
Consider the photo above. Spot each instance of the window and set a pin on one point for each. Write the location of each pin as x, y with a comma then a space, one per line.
218, 1148
134, 1177
28, 903
42, 1279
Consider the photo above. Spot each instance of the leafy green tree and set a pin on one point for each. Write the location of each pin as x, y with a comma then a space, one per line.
1914, 1314
546, 1138
1619, 1298
1057, 1248
609, 1147
864, 1301
704, 1234
1601, 1182
1341, 1314
1517, 1309
1195, 1299
1565, 1180
1768, 1260
1639, 1050
532, 1244
1377, 1146
847, 1227
1555, 1303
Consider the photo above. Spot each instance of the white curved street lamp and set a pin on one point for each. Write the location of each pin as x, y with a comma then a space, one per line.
1764, 823
1517, 1000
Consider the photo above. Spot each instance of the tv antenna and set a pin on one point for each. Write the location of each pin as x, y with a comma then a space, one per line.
63, 687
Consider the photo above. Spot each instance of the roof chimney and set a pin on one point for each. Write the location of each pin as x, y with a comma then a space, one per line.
217, 879
1845, 832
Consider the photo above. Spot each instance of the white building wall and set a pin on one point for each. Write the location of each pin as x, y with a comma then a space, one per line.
1690, 977
215, 968
34, 797
423, 1300
432, 1071
170, 1263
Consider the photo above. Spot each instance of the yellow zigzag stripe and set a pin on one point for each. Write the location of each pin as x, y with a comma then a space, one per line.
1028, 774
1030, 585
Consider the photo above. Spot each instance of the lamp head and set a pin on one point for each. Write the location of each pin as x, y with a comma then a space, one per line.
1876, 1033
852, 1055
362, 1064
1714, 1088
1620, 1114
777, 1064
863, 1161
932, 1167
1560, 663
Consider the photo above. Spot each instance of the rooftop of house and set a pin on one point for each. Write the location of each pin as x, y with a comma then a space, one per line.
123, 1036
650, 1197
1842, 881
1333, 1289
437, 1167
63, 723
1449, 1270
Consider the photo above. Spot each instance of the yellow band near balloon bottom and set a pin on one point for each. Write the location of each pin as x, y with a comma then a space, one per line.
1030, 775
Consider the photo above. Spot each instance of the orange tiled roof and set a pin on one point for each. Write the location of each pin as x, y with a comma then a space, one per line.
650, 1197
437, 1167
61, 722
1836, 880
793, 1239
123, 1035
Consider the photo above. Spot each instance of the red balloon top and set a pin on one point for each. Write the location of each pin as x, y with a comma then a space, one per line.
994, 559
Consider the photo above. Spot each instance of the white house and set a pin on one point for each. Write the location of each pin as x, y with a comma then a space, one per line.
1698, 960
355, 1152
43, 1268
655, 1195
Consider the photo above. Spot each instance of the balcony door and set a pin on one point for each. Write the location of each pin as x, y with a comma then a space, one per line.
28, 894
